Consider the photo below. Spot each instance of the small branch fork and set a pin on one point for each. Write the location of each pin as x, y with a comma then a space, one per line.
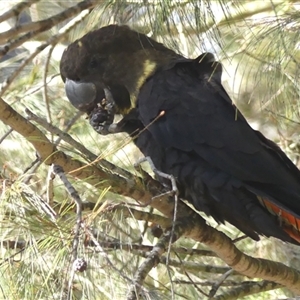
16, 10
63, 135
58, 170
84, 7
249, 288
194, 228
34, 28
79, 264
165, 241
153, 260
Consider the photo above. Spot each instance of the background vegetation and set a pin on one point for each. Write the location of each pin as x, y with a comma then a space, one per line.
96, 210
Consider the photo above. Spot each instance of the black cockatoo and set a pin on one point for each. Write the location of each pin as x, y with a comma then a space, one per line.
179, 115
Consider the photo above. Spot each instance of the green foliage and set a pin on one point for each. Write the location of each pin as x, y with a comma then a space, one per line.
258, 43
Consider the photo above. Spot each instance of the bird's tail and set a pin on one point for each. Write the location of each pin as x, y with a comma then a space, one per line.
288, 221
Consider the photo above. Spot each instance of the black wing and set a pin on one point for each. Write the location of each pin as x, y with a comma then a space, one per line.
226, 163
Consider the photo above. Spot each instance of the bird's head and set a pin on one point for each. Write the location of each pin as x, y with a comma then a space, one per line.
113, 57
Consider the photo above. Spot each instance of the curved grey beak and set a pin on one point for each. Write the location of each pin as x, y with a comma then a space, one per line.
82, 95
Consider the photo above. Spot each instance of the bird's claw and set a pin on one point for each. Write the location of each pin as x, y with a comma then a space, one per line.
101, 117
174, 190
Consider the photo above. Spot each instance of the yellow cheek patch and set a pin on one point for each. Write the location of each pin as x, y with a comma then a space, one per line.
148, 69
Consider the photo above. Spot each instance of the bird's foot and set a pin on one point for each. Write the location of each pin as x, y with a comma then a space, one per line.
174, 189
101, 117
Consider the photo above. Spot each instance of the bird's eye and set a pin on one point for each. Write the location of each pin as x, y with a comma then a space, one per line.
97, 63
93, 63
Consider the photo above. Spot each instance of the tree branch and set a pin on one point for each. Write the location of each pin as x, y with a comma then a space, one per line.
248, 288
16, 10
35, 28
152, 260
192, 224
242, 263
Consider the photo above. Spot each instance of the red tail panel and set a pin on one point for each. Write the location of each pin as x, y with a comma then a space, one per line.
289, 222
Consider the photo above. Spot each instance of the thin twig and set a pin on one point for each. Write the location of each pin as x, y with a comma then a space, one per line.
113, 243
174, 192
152, 260
100, 249
49, 188
219, 282
6, 135
201, 292
35, 28
194, 267
12, 256
91, 173
45, 86
68, 126
57, 170
75, 196
35, 163
38, 203
205, 283
147, 248
62, 134
16, 10
248, 288
140, 215
52, 40
88, 154
193, 227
